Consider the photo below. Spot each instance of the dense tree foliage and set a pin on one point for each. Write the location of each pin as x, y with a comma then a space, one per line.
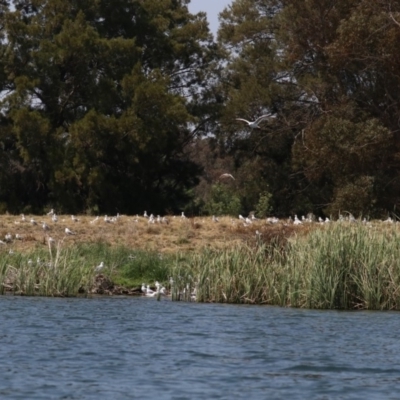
128, 105
100, 100
330, 72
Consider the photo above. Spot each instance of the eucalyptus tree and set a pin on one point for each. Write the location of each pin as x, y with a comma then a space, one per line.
328, 70
344, 54
105, 97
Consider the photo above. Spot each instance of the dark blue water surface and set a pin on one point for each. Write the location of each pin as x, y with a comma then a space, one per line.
122, 348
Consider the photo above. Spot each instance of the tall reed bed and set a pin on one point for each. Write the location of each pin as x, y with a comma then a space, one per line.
71, 271
55, 273
339, 266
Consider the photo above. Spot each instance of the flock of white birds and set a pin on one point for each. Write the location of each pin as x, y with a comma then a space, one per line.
152, 219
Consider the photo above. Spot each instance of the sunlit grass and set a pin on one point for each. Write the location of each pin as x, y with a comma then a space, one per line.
338, 267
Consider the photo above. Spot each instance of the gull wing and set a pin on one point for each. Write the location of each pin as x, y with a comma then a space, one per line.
227, 176
241, 119
259, 119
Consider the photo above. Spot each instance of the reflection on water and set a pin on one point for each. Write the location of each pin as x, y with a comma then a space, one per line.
121, 348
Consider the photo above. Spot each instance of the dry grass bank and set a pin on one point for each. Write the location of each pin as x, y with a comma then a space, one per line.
186, 235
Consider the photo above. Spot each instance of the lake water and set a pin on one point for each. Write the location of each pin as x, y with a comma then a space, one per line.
122, 348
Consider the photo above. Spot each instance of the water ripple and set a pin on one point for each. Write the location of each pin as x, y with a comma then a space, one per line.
136, 347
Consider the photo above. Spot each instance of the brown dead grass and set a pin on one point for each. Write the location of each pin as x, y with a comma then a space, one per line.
190, 234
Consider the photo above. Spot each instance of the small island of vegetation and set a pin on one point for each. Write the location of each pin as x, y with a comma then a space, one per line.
344, 264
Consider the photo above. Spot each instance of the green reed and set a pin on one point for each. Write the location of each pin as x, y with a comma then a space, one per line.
340, 266
335, 266
70, 271
56, 272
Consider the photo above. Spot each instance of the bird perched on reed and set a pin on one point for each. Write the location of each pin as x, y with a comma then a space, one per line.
255, 124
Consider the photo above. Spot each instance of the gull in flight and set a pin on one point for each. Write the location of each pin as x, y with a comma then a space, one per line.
254, 124
227, 176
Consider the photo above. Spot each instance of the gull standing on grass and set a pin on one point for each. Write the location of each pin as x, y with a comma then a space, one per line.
99, 267
69, 232
254, 124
